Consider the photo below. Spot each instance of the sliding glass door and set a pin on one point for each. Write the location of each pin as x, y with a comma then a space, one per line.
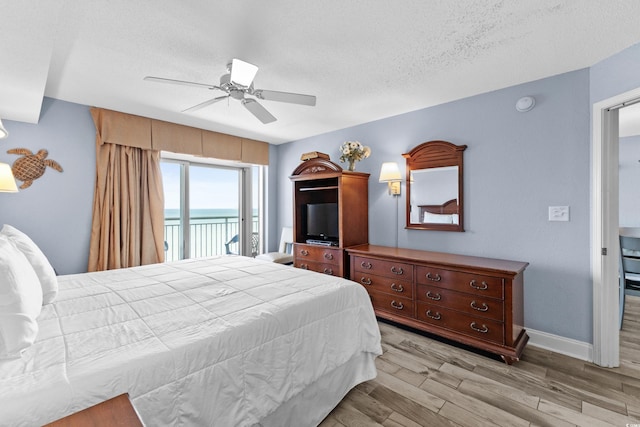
209, 210
214, 211
174, 218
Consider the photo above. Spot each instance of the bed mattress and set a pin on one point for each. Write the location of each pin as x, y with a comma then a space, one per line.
223, 341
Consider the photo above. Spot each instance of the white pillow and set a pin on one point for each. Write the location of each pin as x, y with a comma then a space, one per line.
438, 218
38, 260
20, 301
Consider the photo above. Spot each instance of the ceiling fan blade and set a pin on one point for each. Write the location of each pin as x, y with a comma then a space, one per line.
258, 110
179, 82
205, 103
293, 98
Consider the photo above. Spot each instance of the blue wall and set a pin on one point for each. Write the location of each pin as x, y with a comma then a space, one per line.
629, 175
56, 210
617, 74
516, 166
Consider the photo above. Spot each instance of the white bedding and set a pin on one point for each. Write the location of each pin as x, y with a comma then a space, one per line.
224, 341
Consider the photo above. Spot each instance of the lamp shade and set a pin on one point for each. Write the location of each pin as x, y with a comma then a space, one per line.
3, 131
242, 73
7, 181
390, 172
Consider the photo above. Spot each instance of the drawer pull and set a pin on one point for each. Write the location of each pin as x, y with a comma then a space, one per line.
365, 281
328, 255
435, 278
397, 271
484, 307
436, 316
304, 266
366, 265
436, 297
304, 252
482, 287
397, 305
397, 288
328, 271
482, 330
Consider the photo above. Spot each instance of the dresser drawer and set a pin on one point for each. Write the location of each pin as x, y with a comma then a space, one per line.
315, 253
320, 267
477, 284
389, 285
473, 326
378, 267
392, 304
472, 304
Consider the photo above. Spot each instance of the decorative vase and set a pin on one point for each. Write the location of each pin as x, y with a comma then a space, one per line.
352, 165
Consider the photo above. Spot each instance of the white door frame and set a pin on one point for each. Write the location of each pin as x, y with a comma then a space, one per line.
604, 228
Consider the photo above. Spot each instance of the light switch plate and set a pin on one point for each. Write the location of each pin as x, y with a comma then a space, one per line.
558, 213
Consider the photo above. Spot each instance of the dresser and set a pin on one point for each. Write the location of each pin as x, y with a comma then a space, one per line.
472, 300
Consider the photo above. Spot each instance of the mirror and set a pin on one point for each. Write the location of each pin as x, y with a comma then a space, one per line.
434, 187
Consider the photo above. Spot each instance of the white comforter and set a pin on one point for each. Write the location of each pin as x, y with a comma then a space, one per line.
222, 341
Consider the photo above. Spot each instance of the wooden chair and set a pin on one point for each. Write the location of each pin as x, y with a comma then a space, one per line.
629, 268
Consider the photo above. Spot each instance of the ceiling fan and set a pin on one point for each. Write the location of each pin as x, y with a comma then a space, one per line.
237, 83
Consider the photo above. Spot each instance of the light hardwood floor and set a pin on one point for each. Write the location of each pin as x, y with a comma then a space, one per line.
422, 382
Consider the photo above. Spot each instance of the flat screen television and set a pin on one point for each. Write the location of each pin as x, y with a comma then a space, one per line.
322, 221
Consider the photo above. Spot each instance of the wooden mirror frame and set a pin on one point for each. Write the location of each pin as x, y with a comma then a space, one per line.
436, 154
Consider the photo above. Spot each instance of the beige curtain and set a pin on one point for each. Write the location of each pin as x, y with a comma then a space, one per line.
128, 206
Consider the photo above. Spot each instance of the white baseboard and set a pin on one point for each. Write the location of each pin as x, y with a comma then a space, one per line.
567, 346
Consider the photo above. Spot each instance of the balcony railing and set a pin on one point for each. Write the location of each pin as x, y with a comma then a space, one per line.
208, 235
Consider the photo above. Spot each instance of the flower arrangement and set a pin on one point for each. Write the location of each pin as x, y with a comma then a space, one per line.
352, 151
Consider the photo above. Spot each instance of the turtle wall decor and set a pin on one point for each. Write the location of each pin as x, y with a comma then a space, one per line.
31, 166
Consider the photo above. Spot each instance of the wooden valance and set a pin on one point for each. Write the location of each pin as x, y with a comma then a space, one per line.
122, 129
142, 132
221, 146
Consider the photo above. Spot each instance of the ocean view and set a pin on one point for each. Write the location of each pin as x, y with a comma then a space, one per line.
210, 229
198, 214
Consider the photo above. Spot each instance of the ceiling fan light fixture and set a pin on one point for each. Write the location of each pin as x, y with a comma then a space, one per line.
242, 73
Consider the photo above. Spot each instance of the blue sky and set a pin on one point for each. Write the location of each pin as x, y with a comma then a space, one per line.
210, 188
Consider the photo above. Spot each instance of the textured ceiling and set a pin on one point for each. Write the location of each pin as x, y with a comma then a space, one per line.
364, 60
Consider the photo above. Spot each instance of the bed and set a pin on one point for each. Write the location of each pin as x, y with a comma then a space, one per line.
446, 213
222, 341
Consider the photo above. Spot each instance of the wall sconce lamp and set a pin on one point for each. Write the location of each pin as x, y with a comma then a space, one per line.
390, 173
7, 181
3, 131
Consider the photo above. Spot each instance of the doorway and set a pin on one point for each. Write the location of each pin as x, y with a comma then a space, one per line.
605, 226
